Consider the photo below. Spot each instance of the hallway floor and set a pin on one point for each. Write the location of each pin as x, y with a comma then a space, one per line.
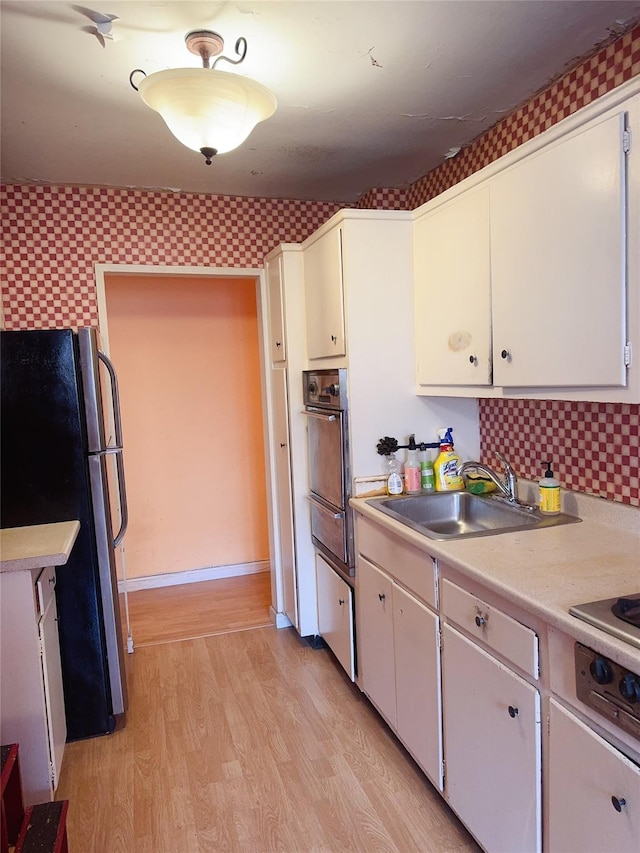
187, 611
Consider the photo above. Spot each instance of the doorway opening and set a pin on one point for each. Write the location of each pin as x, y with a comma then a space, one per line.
187, 347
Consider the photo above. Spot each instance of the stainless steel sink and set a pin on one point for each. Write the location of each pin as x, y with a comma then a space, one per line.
460, 515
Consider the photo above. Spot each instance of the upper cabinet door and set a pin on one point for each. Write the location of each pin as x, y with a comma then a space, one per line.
277, 325
453, 293
558, 263
324, 296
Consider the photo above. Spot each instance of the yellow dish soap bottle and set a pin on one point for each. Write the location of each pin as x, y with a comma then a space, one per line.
549, 493
446, 465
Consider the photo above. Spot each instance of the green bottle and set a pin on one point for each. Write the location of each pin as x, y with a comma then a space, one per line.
427, 478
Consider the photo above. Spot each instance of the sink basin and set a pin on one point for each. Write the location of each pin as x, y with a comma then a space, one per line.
460, 515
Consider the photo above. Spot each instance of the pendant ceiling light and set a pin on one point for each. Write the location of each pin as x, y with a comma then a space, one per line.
207, 110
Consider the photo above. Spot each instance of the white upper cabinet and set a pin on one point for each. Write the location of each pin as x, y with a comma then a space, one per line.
324, 296
558, 263
277, 337
453, 292
527, 274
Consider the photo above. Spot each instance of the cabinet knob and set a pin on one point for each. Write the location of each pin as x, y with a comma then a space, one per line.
513, 712
52, 580
505, 354
618, 803
334, 339
381, 596
473, 359
480, 621
278, 344
341, 601
282, 444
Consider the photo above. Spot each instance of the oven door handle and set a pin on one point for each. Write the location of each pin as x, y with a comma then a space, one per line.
314, 500
318, 415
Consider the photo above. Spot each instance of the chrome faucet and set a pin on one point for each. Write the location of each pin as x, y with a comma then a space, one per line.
507, 487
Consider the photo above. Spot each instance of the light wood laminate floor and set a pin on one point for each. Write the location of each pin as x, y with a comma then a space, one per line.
249, 741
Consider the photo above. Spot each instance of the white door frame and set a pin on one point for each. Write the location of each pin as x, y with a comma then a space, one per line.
258, 274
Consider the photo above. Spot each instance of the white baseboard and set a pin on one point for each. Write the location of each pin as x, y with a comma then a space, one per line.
194, 576
280, 620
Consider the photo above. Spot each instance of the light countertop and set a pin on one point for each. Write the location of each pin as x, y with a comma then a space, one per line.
547, 571
37, 546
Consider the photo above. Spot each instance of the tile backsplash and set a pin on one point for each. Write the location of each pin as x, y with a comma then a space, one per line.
592, 447
54, 236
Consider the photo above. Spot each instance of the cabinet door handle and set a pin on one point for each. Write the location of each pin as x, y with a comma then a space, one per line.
513, 712
618, 803
381, 596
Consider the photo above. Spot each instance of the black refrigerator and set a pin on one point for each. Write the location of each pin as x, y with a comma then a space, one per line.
58, 464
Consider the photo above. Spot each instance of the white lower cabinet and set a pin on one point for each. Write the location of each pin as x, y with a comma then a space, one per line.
32, 710
335, 615
593, 801
400, 664
51, 671
417, 659
492, 747
455, 670
375, 638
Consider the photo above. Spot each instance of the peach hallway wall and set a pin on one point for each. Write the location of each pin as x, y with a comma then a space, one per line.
186, 349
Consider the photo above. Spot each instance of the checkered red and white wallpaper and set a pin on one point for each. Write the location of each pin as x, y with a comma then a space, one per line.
53, 237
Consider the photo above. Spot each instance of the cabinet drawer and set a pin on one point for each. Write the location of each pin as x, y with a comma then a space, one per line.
45, 588
408, 565
511, 639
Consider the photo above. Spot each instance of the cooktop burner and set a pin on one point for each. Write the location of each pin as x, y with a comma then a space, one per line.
619, 617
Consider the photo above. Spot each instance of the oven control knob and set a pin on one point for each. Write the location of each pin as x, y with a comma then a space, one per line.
333, 390
630, 688
601, 671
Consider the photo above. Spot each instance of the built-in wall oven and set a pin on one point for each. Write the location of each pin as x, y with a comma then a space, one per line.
325, 400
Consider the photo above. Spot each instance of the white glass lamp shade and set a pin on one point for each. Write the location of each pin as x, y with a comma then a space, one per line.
205, 108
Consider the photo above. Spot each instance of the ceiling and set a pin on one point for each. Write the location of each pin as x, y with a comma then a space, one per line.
372, 93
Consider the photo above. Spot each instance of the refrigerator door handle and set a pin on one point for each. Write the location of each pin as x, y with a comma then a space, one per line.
115, 396
122, 492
